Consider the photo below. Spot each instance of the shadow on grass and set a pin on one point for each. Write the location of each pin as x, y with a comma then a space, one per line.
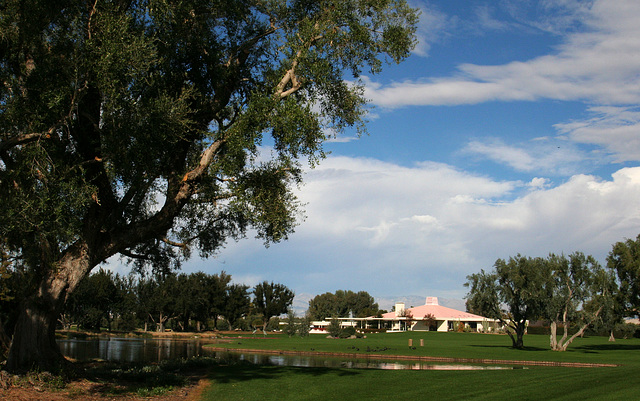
607, 347
509, 348
243, 372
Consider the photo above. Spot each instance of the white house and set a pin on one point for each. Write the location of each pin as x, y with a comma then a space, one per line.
443, 318
415, 319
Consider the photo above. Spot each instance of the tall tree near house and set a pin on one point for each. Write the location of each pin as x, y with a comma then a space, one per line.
340, 304
408, 318
581, 291
521, 284
322, 306
271, 299
361, 304
134, 127
430, 321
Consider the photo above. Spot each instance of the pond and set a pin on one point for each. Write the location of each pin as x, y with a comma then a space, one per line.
123, 349
149, 350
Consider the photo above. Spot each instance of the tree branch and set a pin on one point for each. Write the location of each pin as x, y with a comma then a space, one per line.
26, 138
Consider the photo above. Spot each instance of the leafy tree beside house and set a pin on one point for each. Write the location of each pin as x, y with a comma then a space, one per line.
430, 321
341, 304
134, 128
520, 284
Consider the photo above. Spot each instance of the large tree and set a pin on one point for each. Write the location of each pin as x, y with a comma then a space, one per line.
515, 292
341, 304
581, 291
134, 128
624, 260
271, 299
237, 303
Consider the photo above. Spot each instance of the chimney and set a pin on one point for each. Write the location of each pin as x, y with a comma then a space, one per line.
399, 308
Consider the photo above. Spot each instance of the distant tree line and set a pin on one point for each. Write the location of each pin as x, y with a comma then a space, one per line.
180, 302
571, 293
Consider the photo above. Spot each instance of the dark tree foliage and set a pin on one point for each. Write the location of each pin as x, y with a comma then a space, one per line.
624, 260
568, 291
271, 299
134, 128
94, 301
341, 304
581, 293
237, 303
216, 292
518, 285
158, 299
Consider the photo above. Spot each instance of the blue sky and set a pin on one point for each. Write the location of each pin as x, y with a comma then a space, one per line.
514, 127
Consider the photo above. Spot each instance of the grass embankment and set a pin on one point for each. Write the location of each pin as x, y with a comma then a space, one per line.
245, 381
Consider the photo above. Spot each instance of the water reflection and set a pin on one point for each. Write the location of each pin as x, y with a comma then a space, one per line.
118, 349
149, 350
336, 362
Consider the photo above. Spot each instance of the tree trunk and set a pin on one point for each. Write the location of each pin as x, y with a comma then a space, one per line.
611, 336
553, 340
34, 344
4, 340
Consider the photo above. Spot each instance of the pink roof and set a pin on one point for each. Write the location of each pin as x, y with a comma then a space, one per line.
438, 311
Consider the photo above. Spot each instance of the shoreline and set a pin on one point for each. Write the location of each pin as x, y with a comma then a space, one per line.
417, 358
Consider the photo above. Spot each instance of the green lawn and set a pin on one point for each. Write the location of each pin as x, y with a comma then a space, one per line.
248, 382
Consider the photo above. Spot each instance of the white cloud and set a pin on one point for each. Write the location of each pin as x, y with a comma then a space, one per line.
600, 64
432, 221
396, 230
369, 220
541, 155
617, 129
538, 183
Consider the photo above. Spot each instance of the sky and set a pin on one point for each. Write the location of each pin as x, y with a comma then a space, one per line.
513, 128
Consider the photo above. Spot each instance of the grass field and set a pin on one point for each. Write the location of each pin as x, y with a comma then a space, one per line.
249, 382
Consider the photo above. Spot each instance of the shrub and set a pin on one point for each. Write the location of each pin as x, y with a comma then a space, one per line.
334, 328
347, 332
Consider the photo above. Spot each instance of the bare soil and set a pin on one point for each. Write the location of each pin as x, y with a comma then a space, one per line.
98, 390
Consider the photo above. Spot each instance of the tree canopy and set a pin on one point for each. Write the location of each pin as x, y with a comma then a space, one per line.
568, 291
271, 299
518, 285
150, 128
341, 304
624, 260
580, 292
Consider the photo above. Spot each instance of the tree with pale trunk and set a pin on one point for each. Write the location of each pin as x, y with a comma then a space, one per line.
582, 291
152, 128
